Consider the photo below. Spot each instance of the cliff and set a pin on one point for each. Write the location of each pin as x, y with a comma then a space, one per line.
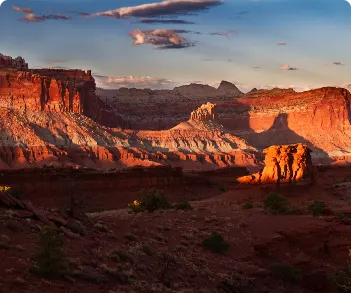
54, 90
283, 164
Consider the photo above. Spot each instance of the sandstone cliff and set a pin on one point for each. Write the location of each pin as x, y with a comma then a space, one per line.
54, 90
283, 164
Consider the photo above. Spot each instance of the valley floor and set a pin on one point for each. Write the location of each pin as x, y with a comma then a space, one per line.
163, 251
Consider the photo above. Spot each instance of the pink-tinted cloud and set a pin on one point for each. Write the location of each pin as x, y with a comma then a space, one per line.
166, 7
161, 38
21, 9
287, 67
114, 82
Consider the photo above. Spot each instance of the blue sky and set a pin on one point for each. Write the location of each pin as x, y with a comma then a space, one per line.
252, 43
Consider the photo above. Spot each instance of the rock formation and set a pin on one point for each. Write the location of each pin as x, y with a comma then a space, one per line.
9, 62
283, 164
205, 112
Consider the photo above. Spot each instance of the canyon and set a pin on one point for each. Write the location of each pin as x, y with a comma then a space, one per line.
320, 118
59, 117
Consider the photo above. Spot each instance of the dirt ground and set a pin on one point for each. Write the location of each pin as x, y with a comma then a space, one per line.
163, 251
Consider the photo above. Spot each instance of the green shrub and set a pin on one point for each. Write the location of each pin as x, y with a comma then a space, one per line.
216, 243
316, 208
150, 201
184, 205
342, 280
50, 259
286, 273
276, 204
248, 205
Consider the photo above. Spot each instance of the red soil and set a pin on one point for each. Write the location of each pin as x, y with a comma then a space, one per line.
318, 247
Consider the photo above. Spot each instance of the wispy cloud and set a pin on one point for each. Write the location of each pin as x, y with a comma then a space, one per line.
160, 38
31, 17
166, 7
21, 9
164, 21
338, 63
115, 82
282, 43
287, 67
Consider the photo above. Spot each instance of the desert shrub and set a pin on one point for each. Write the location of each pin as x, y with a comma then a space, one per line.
248, 205
286, 273
150, 201
50, 260
136, 207
316, 208
276, 204
216, 243
184, 206
342, 280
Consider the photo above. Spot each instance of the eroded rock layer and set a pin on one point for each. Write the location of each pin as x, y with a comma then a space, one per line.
50, 117
283, 164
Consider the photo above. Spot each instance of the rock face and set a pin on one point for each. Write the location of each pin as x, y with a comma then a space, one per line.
283, 164
54, 90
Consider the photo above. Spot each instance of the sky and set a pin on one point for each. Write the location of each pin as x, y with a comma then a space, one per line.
300, 44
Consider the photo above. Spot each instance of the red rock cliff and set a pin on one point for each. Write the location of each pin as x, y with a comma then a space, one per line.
54, 90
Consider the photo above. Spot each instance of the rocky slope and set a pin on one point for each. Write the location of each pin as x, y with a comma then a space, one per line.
50, 117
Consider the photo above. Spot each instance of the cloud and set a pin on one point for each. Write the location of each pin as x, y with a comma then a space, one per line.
287, 67
23, 10
224, 33
55, 60
165, 21
160, 38
114, 82
166, 7
338, 63
31, 17
282, 43
78, 12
